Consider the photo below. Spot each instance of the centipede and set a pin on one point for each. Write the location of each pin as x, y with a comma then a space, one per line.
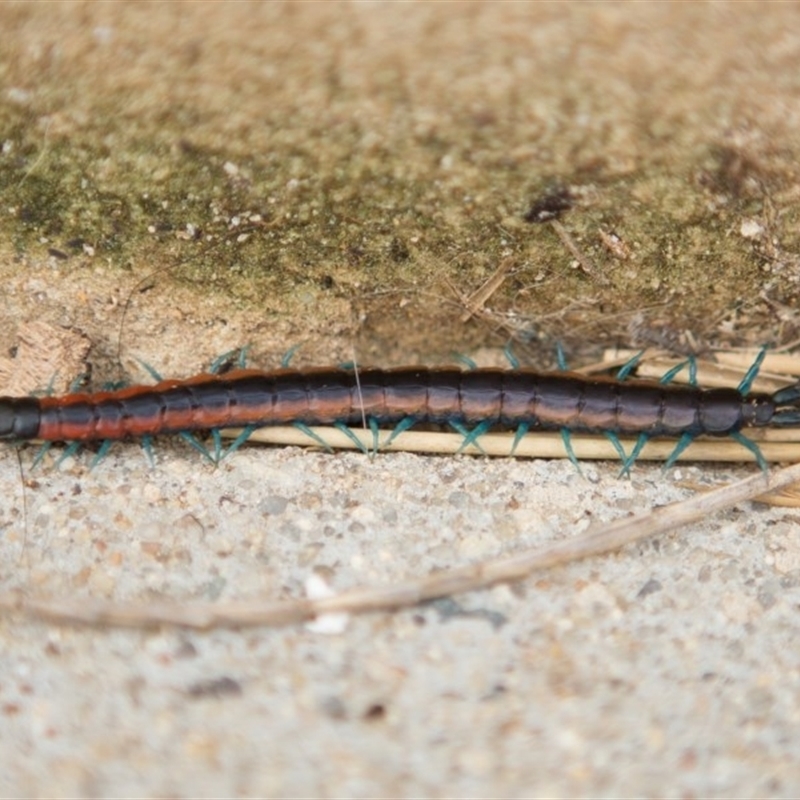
472, 401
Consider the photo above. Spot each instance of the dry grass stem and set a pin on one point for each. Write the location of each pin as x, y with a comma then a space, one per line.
776, 445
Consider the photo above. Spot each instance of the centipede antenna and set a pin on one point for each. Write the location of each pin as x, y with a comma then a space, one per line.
340, 426
401, 427
301, 426
752, 447
561, 358
471, 437
685, 440
101, 453
566, 437
246, 433
510, 357
288, 356
628, 367
192, 441
519, 435
788, 396
786, 419
750, 375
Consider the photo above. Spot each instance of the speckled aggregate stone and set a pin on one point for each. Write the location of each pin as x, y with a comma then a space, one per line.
669, 667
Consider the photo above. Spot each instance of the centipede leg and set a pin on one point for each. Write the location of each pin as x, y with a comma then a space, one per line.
151, 371
561, 358
614, 439
401, 427
288, 356
101, 453
752, 447
301, 426
631, 459
192, 441
239, 440
340, 426
221, 364
147, 446
628, 367
750, 375
510, 357
522, 430
471, 437
670, 374
566, 437
69, 451
376, 433
465, 360
41, 453
685, 440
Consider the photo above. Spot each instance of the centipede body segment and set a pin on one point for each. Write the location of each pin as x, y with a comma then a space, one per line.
488, 397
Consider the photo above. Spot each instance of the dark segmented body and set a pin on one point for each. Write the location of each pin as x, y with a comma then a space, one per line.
492, 397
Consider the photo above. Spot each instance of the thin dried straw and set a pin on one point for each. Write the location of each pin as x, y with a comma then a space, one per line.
597, 540
775, 445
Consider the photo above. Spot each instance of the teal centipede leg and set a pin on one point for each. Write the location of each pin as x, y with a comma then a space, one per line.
220, 363
752, 447
566, 437
192, 441
41, 453
750, 375
561, 358
465, 360
510, 357
216, 437
69, 450
101, 453
288, 356
520, 433
340, 426
147, 446
685, 440
471, 437
614, 439
246, 433
151, 371
401, 427
376, 433
641, 441
628, 367
690, 362
301, 426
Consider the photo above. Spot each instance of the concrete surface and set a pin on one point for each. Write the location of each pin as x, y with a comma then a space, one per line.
670, 669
